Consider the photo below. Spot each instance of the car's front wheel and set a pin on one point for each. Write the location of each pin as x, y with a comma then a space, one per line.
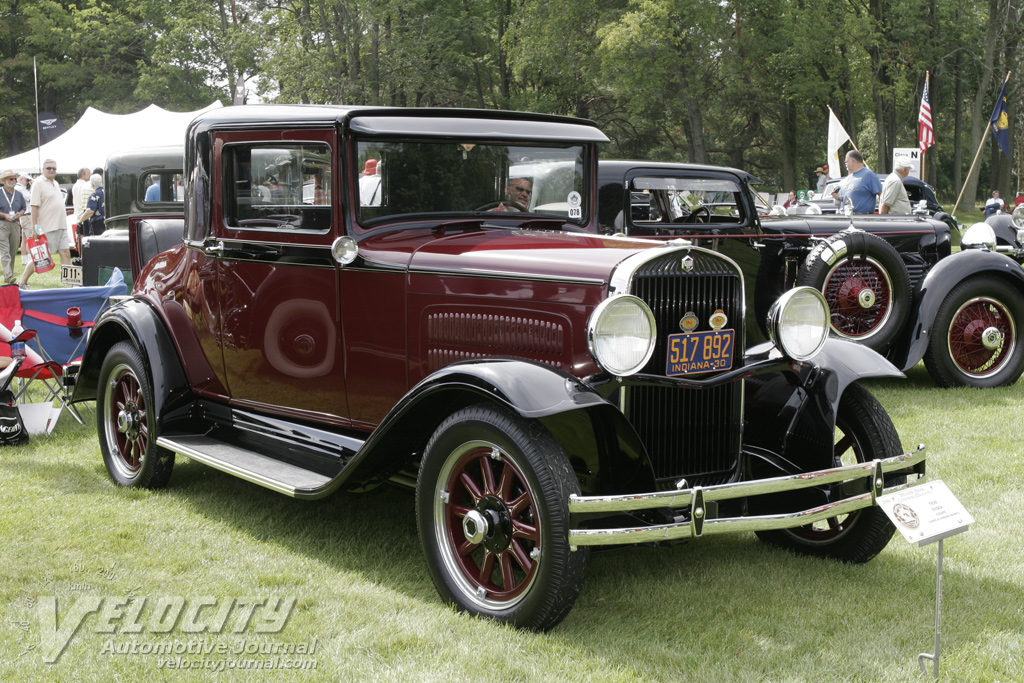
125, 420
492, 509
975, 339
864, 433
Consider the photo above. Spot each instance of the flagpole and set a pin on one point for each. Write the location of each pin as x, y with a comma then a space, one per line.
988, 126
39, 136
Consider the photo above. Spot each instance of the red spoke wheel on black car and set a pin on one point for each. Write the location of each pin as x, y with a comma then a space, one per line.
974, 337
492, 506
864, 433
125, 422
865, 283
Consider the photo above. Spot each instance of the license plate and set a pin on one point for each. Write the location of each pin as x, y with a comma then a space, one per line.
71, 275
695, 352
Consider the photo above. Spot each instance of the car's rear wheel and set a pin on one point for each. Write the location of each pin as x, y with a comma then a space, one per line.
864, 433
492, 508
125, 421
975, 338
865, 283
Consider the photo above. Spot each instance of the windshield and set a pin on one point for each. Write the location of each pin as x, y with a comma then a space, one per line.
657, 200
403, 177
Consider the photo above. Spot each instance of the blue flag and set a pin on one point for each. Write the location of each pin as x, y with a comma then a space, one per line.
1000, 123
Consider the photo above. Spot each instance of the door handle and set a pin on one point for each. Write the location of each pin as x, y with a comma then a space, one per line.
214, 249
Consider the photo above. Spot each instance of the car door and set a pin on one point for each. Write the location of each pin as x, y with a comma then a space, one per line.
277, 283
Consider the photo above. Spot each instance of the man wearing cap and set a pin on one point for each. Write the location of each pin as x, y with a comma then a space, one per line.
369, 184
12, 208
894, 196
822, 179
49, 217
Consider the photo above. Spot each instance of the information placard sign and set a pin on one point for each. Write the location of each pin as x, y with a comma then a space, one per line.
926, 513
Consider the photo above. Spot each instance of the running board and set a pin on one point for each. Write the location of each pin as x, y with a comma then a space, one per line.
259, 469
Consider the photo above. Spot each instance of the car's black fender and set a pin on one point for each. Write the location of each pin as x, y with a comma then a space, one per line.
602, 446
136, 321
936, 286
789, 419
1004, 229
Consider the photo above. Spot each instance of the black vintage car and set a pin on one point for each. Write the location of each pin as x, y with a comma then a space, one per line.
892, 282
139, 182
545, 388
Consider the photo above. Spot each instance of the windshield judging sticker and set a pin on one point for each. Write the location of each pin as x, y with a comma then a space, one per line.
694, 352
575, 204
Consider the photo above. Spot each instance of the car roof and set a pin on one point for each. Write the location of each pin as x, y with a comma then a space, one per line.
619, 167
450, 123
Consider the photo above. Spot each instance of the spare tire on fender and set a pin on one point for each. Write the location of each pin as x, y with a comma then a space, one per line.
865, 283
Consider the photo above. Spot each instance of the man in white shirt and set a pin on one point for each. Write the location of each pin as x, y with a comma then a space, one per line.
50, 217
894, 196
993, 205
80, 192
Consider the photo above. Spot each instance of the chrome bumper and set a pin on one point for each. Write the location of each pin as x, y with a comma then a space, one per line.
696, 499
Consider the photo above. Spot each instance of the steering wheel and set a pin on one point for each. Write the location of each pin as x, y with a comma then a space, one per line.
491, 206
693, 217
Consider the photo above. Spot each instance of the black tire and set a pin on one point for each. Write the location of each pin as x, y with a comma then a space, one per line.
125, 422
864, 432
974, 338
495, 530
865, 283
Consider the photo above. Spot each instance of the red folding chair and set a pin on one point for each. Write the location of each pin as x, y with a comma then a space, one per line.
36, 368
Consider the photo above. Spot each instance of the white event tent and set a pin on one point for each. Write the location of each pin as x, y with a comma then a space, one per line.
97, 134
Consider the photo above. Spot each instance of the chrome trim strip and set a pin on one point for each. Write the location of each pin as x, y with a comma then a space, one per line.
505, 275
686, 498
289, 432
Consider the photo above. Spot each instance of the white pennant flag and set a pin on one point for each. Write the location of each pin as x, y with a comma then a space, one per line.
837, 135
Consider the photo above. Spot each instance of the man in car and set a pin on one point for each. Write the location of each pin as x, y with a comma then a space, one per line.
517, 195
894, 196
861, 187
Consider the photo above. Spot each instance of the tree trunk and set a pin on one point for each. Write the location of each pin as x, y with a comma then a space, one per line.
983, 96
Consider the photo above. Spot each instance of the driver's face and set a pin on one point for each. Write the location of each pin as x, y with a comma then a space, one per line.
520, 190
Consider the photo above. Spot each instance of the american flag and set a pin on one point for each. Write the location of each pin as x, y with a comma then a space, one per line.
926, 131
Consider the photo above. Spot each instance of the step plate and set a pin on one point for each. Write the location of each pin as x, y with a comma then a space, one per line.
253, 467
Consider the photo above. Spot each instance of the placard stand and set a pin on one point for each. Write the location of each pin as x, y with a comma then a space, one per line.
938, 611
924, 514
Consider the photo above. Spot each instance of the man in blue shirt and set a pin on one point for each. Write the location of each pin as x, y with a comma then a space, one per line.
861, 187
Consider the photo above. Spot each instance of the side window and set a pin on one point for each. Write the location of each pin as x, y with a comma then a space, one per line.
162, 186
275, 186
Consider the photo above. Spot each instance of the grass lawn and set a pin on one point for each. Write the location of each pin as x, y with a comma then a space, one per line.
724, 608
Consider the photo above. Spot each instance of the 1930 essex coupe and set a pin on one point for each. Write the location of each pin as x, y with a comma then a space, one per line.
892, 282
546, 389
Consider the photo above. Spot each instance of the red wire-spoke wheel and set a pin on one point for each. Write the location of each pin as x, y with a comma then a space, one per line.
863, 433
859, 296
982, 336
488, 519
865, 283
127, 412
974, 335
125, 421
492, 508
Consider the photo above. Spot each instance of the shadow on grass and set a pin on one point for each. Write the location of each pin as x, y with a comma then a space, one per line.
687, 604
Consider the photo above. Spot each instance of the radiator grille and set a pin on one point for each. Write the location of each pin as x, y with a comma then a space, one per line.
694, 434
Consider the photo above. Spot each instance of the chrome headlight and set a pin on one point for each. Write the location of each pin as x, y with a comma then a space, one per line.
977, 236
798, 323
621, 334
1018, 217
